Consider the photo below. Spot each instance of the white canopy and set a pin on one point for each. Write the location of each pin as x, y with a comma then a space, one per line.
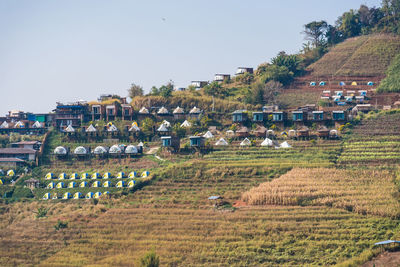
19, 124
112, 128
162, 110
285, 145
80, 150
134, 128
141, 144
186, 124
4, 125
162, 128
178, 110
60, 150
166, 123
221, 142
208, 134
100, 150
267, 142
195, 110
115, 149
37, 125
91, 129
70, 129
144, 110
131, 150
245, 142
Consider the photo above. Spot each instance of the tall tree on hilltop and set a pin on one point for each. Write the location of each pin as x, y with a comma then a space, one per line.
135, 90
315, 32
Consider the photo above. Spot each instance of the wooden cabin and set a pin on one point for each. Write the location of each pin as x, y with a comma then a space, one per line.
259, 116
242, 132
197, 141
239, 116
171, 142
261, 131
303, 132
323, 132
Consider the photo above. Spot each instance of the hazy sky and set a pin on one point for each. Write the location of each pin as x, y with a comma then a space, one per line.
77, 49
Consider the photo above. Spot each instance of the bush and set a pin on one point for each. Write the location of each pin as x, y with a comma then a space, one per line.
41, 212
60, 225
150, 260
22, 192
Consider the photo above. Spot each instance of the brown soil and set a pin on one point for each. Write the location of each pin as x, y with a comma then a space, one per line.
384, 259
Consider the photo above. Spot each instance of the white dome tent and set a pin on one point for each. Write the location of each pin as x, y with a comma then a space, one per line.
162, 110
91, 129
100, 150
131, 150
166, 123
162, 128
80, 150
285, 145
4, 125
37, 125
60, 150
221, 142
115, 149
144, 110
245, 142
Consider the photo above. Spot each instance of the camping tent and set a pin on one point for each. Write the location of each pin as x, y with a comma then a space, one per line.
121, 175
107, 184
292, 133
1, 182
134, 128
85, 175
131, 183
62, 176
80, 150
115, 149
19, 124
267, 142
49, 176
144, 110
50, 185
245, 142
112, 128
166, 123
221, 142
208, 134
120, 184
285, 145
54, 196
230, 133
162, 128
74, 176
131, 150
162, 110
70, 129
10, 173
313, 83
141, 144
106, 175
333, 133
270, 133
91, 129
89, 195
83, 184
195, 110
342, 83
60, 150
322, 83
96, 184
178, 110
370, 83
97, 195
4, 125
145, 173
186, 124
132, 175
46, 196
96, 175
100, 150
354, 83
78, 195
60, 185
37, 125
67, 195
72, 185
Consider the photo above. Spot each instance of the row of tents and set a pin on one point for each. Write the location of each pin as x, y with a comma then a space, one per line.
77, 195
19, 124
102, 150
323, 83
119, 184
9, 173
246, 142
96, 175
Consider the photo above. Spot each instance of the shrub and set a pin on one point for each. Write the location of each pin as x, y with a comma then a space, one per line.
150, 260
41, 212
60, 225
22, 192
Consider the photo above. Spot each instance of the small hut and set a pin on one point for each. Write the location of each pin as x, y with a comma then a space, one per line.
32, 183
242, 132
323, 132
260, 131
303, 132
179, 113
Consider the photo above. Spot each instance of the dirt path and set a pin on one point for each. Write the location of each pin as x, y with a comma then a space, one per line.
152, 150
384, 259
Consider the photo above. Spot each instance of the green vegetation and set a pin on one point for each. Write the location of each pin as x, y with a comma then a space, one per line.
392, 81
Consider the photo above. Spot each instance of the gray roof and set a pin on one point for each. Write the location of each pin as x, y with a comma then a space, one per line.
17, 151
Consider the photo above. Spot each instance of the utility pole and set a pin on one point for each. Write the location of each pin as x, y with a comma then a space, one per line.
213, 104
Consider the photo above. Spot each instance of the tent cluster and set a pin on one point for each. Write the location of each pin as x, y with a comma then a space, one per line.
354, 83
101, 150
19, 124
77, 195
96, 175
110, 128
119, 184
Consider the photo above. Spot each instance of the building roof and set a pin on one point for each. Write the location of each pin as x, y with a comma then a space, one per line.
11, 160
195, 110
178, 110
26, 143
31, 180
17, 151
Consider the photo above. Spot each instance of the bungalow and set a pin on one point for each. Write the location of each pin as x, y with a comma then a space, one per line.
258, 116
111, 112
127, 112
198, 84
299, 116
179, 113
323, 132
222, 77
195, 113
11, 162
27, 144
318, 115
197, 141
20, 153
97, 112
171, 142
239, 116
32, 183
279, 116
242, 132
243, 70
338, 115
303, 132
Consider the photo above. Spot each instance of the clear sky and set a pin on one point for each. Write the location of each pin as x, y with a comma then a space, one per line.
53, 50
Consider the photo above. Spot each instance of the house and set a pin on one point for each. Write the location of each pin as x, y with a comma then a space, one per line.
111, 112
243, 70
71, 114
97, 111
127, 112
197, 141
32, 183
261, 131
258, 116
338, 115
19, 153
171, 142
242, 132
303, 132
179, 113
198, 84
279, 116
318, 115
239, 116
222, 77
27, 144
195, 113
323, 132
11, 162
299, 116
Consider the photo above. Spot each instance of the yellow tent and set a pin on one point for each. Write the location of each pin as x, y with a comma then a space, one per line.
354, 83
10, 173
135, 124
1, 181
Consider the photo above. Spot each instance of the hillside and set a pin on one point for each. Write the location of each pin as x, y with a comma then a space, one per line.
359, 56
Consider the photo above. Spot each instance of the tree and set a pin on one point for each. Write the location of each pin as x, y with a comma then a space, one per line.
315, 32
215, 89
278, 73
333, 35
349, 24
271, 91
147, 126
135, 90
292, 62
